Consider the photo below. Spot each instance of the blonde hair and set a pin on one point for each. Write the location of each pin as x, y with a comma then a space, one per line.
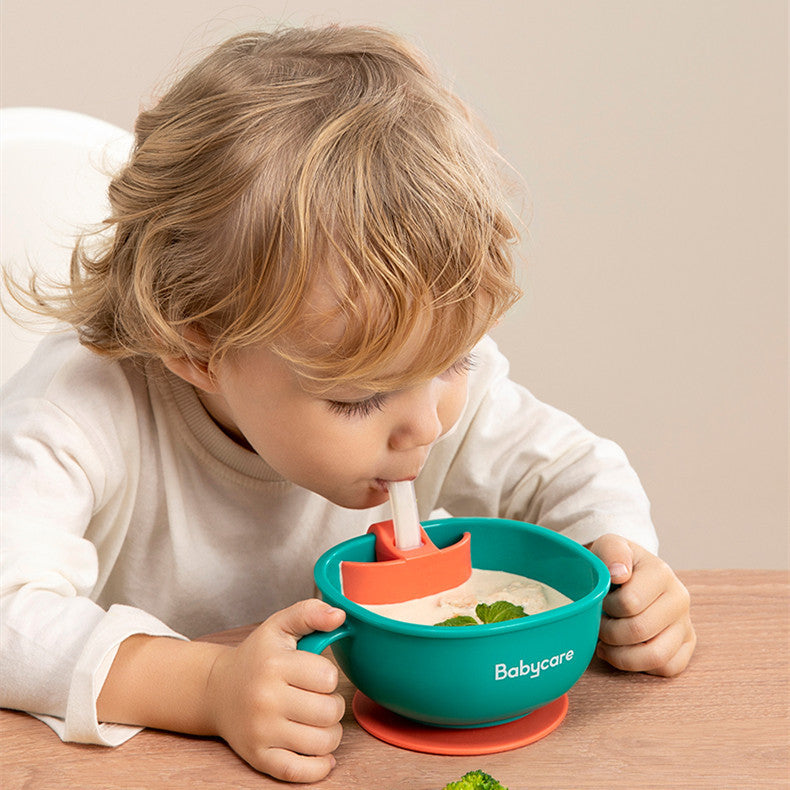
286, 164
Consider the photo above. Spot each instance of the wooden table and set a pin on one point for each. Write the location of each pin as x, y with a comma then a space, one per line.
722, 724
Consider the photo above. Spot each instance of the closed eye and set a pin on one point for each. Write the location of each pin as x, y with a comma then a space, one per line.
364, 408
358, 408
463, 365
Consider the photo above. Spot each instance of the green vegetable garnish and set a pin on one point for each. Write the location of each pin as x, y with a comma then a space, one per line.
475, 780
499, 611
494, 613
461, 619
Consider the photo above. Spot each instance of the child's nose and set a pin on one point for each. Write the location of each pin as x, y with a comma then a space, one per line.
418, 423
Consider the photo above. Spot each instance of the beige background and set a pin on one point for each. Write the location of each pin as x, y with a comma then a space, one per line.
653, 137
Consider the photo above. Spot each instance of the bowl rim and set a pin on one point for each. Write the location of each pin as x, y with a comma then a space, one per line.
563, 612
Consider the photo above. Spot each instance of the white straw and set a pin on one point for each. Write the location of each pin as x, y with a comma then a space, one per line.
405, 518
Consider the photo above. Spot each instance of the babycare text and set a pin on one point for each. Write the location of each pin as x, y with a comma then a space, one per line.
531, 668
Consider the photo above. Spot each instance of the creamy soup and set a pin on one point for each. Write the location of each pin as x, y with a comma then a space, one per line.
481, 587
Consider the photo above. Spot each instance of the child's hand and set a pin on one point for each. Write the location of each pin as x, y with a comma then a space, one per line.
274, 704
646, 625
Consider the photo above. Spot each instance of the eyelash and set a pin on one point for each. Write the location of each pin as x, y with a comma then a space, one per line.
364, 408
359, 408
463, 365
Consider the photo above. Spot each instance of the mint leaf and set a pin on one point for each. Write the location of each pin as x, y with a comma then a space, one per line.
494, 613
463, 619
499, 612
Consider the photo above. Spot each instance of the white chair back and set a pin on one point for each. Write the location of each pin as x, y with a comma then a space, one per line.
54, 173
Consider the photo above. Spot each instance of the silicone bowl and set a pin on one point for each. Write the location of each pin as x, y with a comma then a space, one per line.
480, 675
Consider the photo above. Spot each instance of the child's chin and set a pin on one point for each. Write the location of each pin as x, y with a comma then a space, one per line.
377, 498
372, 497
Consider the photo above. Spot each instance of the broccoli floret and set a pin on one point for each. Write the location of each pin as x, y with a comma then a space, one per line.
475, 780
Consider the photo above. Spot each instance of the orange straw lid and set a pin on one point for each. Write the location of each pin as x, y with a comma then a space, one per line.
402, 575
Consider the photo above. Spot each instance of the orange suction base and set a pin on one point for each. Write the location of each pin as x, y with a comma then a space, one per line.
399, 731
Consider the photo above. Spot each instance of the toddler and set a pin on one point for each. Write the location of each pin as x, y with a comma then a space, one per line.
308, 247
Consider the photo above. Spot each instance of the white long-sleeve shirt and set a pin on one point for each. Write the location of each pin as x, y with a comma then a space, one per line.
126, 509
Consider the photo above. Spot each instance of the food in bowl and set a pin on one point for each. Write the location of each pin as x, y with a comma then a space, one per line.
482, 587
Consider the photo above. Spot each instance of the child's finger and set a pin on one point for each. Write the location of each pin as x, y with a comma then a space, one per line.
617, 554
642, 627
309, 740
651, 578
307, 671
656, 656
317, 710
290, 767
305, 617
680, 660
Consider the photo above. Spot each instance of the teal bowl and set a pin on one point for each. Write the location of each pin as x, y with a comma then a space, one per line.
479, 675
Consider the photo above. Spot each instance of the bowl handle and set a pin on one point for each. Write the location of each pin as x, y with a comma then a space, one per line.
319, 640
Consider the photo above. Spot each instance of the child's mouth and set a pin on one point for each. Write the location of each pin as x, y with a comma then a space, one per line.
380, 484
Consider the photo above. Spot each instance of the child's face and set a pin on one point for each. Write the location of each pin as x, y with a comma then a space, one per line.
343, 445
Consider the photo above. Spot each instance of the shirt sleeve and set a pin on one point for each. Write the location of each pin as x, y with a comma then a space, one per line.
513, 456
56, 643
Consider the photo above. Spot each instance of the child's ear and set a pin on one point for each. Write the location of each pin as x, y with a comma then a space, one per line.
190, 369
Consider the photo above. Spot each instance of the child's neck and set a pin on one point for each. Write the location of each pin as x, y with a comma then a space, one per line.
216, 408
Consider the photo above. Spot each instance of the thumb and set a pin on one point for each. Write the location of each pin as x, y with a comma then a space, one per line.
617, 555
307, 616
